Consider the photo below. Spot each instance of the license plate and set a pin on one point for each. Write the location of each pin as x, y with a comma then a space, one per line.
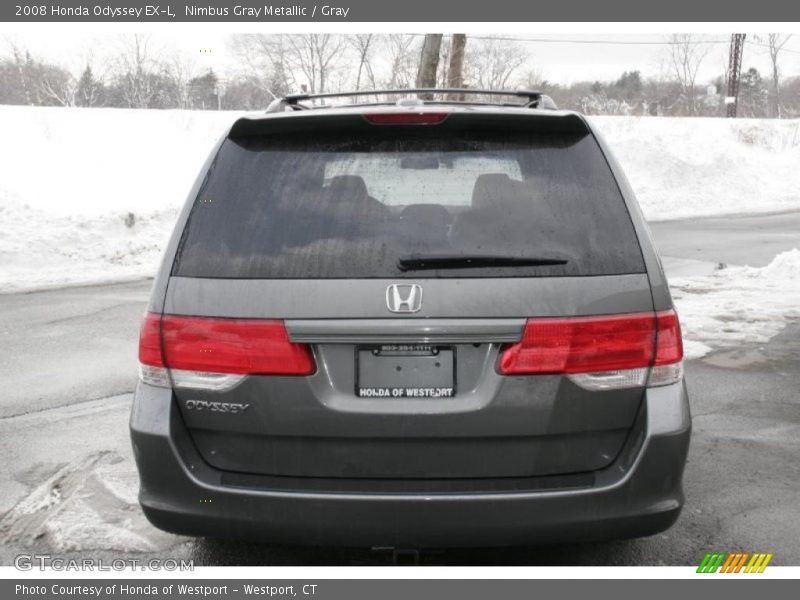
405, 371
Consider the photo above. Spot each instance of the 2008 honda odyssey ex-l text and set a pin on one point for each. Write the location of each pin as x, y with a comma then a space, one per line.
411, 323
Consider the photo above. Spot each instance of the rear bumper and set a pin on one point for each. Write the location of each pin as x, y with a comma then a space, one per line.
637, 495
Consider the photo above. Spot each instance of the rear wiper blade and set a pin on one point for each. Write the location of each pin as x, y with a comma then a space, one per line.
422, 262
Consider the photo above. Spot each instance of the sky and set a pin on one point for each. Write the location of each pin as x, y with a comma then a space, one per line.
560, 58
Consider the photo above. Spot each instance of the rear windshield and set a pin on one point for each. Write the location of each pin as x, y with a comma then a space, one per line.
380, 205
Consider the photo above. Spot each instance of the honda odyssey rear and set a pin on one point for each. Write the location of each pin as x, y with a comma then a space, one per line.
411, 324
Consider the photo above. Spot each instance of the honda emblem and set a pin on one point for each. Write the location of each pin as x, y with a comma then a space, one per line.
404, 298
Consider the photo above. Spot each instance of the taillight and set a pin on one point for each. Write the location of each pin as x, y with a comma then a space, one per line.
150, 341
215, 353
412, 118
603, 352
668, 362
151, 359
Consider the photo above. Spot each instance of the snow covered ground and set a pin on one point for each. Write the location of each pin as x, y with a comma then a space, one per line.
90, 195
737, 305
684, 167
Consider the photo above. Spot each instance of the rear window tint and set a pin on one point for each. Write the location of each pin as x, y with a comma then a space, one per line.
354, 206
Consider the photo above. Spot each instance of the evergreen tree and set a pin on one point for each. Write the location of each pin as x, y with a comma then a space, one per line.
753, 94
91, 91
203, 91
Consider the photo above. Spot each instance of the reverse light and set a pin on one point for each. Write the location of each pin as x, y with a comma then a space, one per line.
215, 354
602, 352
410, 118
668, 362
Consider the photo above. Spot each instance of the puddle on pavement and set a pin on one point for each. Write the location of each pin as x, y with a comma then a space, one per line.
736, 359
785, 346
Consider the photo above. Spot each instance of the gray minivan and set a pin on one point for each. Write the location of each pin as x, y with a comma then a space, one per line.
411, 323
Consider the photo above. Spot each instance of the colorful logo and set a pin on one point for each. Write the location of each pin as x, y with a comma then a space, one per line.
734, 562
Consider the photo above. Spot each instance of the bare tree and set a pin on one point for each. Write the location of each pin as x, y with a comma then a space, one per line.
136, 65
59, 86
776, 42
402, 60
493, 63
429, 61
35, 82
316, 56
363, 44
266, 58
180, 71
687, 53
313, 62
21, 59
455, 72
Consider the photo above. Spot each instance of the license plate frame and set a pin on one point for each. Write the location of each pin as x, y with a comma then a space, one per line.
431, 366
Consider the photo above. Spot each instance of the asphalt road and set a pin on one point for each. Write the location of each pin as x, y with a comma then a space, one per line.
67, 363
65, 346
734, 240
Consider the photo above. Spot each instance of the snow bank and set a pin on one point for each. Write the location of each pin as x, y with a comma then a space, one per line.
89, 162
738, 305
39, 249
90, 195
681, 167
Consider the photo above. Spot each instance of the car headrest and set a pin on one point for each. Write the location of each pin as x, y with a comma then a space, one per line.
491, 189
348, 187
348, 197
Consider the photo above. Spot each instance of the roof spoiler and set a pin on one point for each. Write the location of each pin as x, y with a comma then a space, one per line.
532, 99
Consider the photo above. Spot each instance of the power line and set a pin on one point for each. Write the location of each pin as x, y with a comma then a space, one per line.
508, 38
590, 41
511, 38
763, 45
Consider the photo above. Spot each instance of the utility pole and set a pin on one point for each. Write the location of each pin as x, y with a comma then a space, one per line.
219, 90
734, 73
